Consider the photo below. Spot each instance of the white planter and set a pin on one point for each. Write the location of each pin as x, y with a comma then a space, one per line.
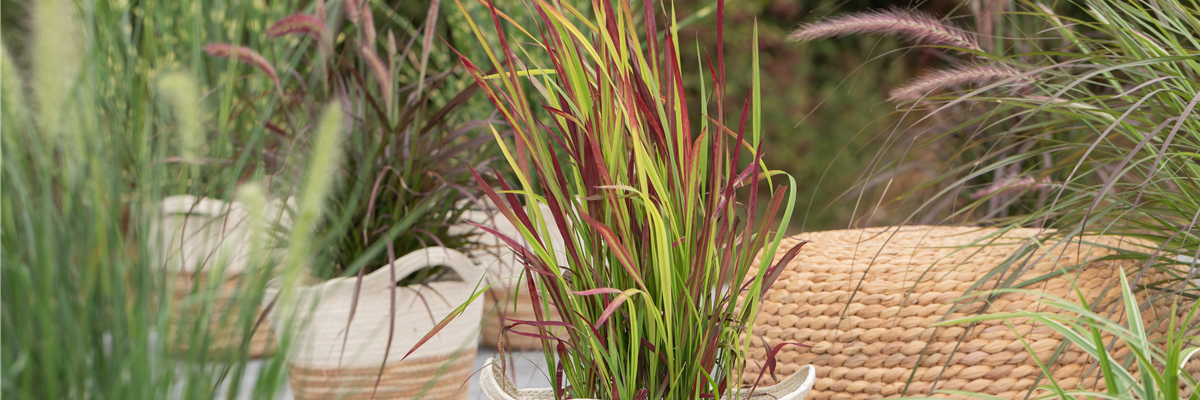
334, 357
497, 386
195, 239
196, 232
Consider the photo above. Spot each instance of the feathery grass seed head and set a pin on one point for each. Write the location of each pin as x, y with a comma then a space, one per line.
323, 160
12, 85
57, 59
182, 92
351, 10
912, 26
299, 24
254, 198
368, 25
377, 69
946, 78
243, 55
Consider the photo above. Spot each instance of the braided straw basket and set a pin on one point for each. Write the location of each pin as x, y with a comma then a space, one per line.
863, 302
497, 386
198, 237
334, 356
506, 300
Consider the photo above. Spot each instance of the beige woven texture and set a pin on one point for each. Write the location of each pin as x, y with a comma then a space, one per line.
863, 302
198, 235
225, 331
442, 377
505, 273
497, 386
504, 308
334, 356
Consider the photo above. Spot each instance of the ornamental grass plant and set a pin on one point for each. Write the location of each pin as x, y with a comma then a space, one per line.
645, 195
409, 143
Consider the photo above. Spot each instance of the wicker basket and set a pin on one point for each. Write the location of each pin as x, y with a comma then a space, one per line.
863, 301
497, 386
505, 273
196, 233
222, 322
499, 307
335, 357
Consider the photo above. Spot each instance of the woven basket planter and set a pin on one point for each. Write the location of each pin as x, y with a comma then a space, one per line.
502, 301
863, 302
334, 357
196, 234
222, 322
497, 386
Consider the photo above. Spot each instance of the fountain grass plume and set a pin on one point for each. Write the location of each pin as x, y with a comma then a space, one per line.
13, 91
57, 58
181, 91
243, 55
258, 229
380, 71
323, 163
913, 26
953, 77
299, 24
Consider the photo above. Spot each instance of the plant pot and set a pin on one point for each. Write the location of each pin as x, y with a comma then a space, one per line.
334, 356
195, 234
507, 299
497, 386
863, 302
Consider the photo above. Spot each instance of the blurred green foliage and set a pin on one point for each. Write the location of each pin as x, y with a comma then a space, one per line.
824, 110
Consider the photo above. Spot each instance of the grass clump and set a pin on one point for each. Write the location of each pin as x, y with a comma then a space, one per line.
660, 285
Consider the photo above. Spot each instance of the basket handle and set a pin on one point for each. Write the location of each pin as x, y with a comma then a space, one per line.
425, 258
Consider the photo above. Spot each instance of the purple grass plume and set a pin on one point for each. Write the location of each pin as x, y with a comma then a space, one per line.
913, 26
243, 55
952, 77
299, 24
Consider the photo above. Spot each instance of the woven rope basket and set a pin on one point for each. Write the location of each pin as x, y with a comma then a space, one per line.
497, 386
334, 357
505, 273
196, 234
222, 321
863, 302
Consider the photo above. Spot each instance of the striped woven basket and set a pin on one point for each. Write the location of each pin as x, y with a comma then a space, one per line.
217, 310
334, 356
196, 235
502, 302
500, 307
863, 302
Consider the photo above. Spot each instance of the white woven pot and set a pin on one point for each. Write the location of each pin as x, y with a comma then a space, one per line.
331, 359
196, 232
497, 386
196, 239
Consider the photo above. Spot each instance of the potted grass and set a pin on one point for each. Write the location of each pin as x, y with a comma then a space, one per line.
385, 267
644, 194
